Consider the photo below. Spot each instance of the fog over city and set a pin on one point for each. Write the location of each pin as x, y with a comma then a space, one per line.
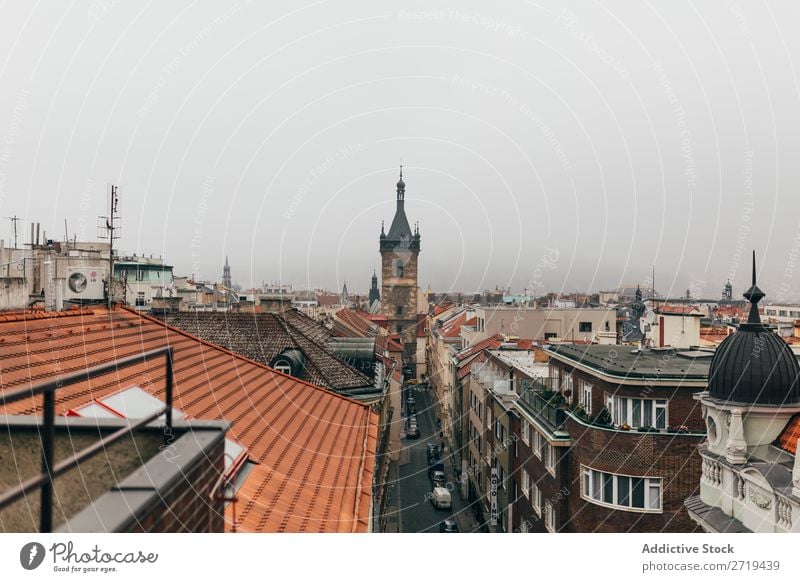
553, 146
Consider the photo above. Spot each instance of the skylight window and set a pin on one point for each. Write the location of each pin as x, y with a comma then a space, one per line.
94, 410
132, 402
233, 451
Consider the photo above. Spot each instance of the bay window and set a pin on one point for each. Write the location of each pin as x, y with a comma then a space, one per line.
636, 412
622, 491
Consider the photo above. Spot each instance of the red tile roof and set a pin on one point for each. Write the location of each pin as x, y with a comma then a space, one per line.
328, 300
262, 336
353, 324
490, 343
452, 327
788, 438
314, 449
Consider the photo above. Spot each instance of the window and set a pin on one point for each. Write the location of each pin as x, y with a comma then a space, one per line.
399, 269
284, 368
139, 275
488, 418
499, 431
568, 384
536, 499
622, 491
399, 328
550, 335
550, 458
549, 517
638, 412
537, 444
526, 431
140, 301
525, 481
586, 402
585, 326
399, 310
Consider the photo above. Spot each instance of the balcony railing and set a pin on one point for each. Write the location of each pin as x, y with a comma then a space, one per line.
547, 405
44, 480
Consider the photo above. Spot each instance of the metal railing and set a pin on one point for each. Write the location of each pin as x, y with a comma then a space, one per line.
44, 480
553, 414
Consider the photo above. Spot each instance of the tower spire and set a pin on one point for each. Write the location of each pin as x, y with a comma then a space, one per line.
754, 295
401, 186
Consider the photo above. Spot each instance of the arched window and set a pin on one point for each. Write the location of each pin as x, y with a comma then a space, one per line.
399, 268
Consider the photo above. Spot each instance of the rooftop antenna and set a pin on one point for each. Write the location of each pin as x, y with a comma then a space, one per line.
110, 227
14, 220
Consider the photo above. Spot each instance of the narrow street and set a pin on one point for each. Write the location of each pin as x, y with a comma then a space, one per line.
417, 513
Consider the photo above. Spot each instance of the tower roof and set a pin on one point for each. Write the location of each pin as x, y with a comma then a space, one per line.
754, 365
400, 233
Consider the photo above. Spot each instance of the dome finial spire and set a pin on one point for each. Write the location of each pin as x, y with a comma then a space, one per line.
754, 295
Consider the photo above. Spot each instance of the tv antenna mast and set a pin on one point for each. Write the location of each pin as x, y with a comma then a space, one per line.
110, 227
14, 220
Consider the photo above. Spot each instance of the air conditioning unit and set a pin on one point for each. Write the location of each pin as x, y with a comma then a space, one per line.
84, 284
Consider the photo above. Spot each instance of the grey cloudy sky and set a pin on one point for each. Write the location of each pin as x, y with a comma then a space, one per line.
604, 137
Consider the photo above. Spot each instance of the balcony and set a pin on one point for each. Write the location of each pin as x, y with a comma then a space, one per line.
547, 405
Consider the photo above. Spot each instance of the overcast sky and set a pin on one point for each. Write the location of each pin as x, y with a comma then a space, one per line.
565, 146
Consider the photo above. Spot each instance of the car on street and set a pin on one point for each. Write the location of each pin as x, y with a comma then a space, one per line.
412, 430
438, 479
433, 451
440, 497
411, 405
449, 525
435, 465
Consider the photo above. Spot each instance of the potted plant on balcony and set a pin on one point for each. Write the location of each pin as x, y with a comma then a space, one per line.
603, 417
625, 426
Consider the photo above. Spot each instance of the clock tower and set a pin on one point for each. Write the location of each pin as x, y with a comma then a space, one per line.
399, 251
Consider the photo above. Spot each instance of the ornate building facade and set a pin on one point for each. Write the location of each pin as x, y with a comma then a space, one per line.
750, 468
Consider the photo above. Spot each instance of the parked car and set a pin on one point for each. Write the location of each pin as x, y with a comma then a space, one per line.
433, 452
435, 465
411, 405
449, 525
440, 497
439, 479
412, 431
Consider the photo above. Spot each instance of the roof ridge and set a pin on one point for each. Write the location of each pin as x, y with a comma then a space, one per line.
239, 356
33, 315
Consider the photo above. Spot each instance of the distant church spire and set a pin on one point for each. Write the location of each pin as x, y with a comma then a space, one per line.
226, 274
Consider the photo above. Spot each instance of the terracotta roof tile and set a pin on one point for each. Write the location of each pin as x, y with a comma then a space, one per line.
788, 437
304, 438
352, 324
262, 336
